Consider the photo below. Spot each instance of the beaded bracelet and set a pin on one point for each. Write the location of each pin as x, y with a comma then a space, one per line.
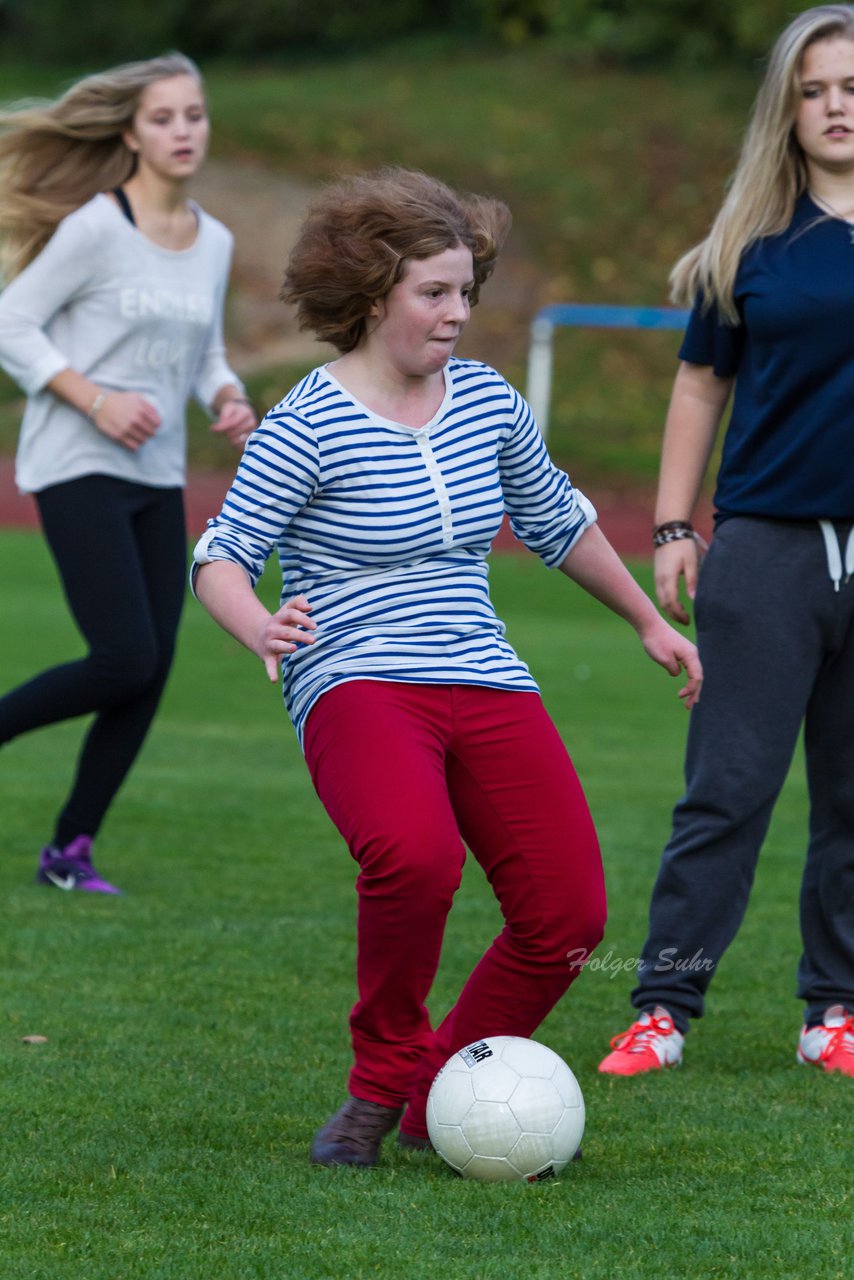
672, 531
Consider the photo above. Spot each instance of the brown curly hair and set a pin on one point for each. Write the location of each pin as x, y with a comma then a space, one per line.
359, 234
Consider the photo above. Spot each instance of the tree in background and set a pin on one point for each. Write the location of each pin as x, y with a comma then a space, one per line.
621, 31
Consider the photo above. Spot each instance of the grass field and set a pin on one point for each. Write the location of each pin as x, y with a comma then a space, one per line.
197, 1026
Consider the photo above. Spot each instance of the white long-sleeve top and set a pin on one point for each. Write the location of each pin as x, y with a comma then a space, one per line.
106, 301
386, 529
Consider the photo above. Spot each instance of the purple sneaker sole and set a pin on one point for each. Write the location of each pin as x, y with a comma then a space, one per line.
71, 868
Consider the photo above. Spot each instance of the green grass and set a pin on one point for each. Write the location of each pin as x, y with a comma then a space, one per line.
610, 175
197, 1026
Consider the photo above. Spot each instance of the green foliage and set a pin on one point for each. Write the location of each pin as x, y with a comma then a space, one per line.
60, 31
272, 29
280, 28
690, 31
196, 1028
622, 30
610, 174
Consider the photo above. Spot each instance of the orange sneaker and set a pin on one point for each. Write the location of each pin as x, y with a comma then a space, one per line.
831, 1045
650, 1044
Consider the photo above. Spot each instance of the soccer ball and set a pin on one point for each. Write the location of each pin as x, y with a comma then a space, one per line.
506, 1110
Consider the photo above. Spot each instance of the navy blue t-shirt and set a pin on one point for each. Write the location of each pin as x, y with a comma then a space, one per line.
788, 448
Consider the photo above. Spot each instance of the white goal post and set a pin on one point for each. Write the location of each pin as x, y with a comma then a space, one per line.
582, 316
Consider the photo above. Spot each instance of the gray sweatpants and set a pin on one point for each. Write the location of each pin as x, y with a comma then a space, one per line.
777, 645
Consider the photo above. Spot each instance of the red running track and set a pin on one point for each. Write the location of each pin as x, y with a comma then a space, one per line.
625, 517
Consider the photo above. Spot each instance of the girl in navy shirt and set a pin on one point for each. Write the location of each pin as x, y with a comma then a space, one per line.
773, 326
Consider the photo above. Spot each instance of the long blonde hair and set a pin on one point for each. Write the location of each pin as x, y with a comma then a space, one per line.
54, 156
771, 172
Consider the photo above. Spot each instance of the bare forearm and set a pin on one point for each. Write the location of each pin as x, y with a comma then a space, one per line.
226, 592
76, 389
125, 417
696, 407
595, 566
229, 392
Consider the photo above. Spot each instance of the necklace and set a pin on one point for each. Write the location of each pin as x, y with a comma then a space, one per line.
825, 204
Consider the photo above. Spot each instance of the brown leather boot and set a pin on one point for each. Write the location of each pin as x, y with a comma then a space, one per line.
410, 1142
354, 1134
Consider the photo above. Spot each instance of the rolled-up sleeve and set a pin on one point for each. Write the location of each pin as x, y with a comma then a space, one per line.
277, 476
546, 512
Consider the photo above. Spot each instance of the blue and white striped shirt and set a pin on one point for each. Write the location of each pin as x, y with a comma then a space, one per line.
386, 529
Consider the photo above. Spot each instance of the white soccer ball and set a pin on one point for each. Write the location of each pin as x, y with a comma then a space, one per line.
506, 1109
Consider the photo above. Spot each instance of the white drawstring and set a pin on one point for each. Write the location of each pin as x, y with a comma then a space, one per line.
833, 552
849, 555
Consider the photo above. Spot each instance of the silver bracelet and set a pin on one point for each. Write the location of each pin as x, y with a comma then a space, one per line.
97, 405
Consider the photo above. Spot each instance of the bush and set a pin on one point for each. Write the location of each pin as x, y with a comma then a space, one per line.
673, 30
615, 30
61, 31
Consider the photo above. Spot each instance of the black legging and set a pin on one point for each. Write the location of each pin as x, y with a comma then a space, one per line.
120, 549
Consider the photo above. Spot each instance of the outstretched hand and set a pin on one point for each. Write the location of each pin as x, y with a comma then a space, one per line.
282, 632
675, 653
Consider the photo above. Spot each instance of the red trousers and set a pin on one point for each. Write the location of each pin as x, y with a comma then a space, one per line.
408, 773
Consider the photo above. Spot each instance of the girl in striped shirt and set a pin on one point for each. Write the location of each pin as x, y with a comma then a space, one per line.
382, 479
